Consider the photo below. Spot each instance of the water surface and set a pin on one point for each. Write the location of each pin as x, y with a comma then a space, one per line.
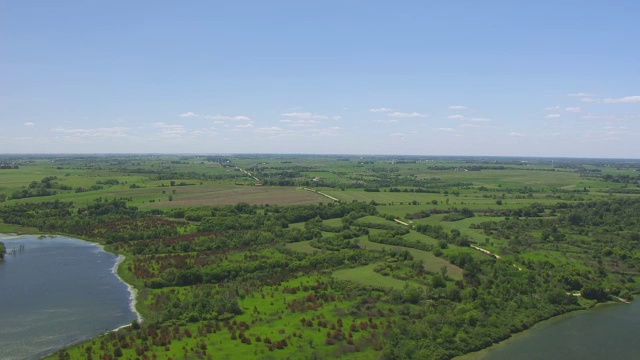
57, 291
608, 331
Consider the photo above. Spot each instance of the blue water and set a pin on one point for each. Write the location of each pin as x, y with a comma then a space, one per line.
57, 291
606, 332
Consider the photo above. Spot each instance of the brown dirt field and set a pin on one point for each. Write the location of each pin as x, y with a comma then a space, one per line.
231, 195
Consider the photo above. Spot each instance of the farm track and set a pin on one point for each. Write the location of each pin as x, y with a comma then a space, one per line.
321, 193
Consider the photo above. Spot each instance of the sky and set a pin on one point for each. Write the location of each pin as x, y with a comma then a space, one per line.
500, 78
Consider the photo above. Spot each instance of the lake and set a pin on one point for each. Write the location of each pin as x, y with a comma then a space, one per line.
57, 291
608, 331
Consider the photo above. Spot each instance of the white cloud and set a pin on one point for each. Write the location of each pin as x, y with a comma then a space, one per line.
329, 131
552, 108
222, 117
479, 119
598, 117
170, 130
300, 122
455, 117
165, 125
244, 126
305, 115
610, 118
380, 110
275, 132
580, 94
457, 107
406, 115
573, 109
113, 132
29, 124
271, 130
390, 121
446, 129
516, 134
469, 125
552, 116
215, 117
626, 99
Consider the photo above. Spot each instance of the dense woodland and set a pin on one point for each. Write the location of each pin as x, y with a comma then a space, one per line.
269, 280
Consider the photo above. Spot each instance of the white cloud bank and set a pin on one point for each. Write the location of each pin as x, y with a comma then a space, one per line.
626, 99
406, 115
215, 117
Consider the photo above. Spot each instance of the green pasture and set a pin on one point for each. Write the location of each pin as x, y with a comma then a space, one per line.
268, 316
366, 276
302, 246
429, 261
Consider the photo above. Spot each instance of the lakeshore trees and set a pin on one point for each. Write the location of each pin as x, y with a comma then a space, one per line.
245, 280
202, 270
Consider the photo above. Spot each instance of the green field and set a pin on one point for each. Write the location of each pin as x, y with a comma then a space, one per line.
366, 276
223, 259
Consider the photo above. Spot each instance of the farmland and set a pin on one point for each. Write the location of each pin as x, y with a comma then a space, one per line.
234, 256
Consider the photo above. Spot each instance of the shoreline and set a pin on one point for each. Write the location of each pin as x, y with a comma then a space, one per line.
133, 292
485, 352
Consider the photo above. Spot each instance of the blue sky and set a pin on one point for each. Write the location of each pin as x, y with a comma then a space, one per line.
544, 78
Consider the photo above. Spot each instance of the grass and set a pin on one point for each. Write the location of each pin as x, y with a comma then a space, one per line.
269, 316
299, 225
302, 246
430, 262
366, 276
266, 308
17, 229
375, 220
231, 194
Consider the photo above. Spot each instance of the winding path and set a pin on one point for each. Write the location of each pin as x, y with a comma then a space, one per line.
248, 174
321, 193
494, 255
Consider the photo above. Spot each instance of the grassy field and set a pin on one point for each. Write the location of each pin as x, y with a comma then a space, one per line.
231, 195
302, 246
430, 261
523, 210
366, 276
267, 316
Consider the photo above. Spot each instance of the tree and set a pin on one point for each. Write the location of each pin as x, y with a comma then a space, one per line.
594, 292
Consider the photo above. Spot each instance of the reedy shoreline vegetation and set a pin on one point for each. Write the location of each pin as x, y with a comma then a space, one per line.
222, 280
